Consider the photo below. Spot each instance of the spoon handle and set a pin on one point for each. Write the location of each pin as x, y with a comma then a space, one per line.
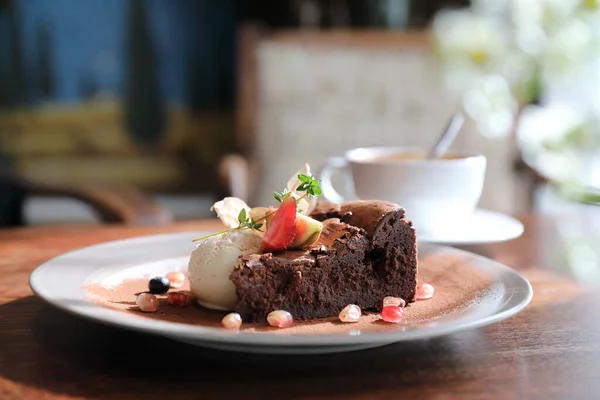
448, 136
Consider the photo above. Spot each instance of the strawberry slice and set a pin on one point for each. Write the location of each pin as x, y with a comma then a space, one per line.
282, 229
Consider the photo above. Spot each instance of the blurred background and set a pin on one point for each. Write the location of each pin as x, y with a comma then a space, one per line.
147, 111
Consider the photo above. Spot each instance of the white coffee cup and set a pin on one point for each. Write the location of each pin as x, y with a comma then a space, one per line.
436, 193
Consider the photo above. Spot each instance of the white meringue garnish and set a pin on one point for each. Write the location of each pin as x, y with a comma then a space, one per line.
229, 209
306, 205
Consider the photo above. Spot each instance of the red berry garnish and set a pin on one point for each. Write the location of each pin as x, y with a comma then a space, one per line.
280, 319
147, 302
392, 314
282, 230
179, 299
350, 313
231, 321
176, 279
424, 291
394, 301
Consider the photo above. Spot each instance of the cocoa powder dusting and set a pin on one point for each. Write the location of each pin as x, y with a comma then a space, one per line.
457, 284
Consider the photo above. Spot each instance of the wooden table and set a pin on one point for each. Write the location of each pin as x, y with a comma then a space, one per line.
549, 351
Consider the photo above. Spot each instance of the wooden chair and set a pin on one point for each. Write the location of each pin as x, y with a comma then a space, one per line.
112, 204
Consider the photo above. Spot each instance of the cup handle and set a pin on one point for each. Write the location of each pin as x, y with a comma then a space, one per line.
333, 164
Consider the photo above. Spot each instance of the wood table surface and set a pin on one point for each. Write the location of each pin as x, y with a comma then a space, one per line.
551, 350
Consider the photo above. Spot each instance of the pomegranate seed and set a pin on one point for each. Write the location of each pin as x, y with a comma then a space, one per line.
232, 321
350, 313
280, 319
176, 279
179, 299
147, 302
424, 291
392, 314
394, 301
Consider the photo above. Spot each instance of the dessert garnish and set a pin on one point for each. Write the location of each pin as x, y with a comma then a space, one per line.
350, 313
147, 302
176, 279
281, 231
158, 285
179, 299
424, 291
280, 319
231, 321
394, 301
307, 231
301, 192
392, 314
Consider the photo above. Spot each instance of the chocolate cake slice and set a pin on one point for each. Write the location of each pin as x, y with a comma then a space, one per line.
367, 251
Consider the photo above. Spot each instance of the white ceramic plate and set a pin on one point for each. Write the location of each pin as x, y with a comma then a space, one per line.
60, 280
482, 227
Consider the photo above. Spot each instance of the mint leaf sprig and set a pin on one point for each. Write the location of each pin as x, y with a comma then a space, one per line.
308, 184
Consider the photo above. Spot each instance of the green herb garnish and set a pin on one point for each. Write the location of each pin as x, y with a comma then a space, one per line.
308, 184
279, 196
246, 222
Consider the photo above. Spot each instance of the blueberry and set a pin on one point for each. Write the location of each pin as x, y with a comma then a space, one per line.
159, 284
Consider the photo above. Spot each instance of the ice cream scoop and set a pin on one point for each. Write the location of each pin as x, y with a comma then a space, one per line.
212, 261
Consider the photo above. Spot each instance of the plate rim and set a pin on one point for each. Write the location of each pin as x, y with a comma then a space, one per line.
519, 229
218, 335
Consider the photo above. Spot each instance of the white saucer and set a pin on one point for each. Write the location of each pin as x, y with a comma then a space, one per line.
60, 281
482, 227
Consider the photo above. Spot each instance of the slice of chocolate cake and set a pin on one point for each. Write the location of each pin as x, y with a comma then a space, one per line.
367, 251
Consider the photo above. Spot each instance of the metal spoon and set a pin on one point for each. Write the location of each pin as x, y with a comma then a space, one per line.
448, 136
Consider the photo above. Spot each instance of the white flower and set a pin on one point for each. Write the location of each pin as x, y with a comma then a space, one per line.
558, 140
492, 106
569, 47
546, 14
468, 39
